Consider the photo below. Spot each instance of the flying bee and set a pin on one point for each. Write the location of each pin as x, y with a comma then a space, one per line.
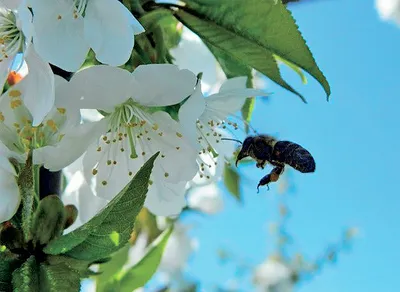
266, 149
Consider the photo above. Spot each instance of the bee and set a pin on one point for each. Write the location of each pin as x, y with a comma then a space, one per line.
266, 149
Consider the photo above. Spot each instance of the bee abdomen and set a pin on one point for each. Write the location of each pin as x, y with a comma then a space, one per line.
294, 155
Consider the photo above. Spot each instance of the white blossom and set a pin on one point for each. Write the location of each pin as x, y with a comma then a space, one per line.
389, 9
15, 38
273, 276
65, 30
211, 115
23, 128
10, 197
193, 54
176, 254
130, 133
207, 199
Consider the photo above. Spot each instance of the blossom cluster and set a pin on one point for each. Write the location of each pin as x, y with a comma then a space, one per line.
44, 114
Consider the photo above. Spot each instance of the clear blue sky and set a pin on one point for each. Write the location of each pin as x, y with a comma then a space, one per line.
355, 141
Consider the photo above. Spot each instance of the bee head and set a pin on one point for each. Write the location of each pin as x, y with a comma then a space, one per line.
246, 148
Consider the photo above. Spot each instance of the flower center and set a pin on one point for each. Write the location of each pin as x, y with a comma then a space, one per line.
16, 128
11, 37
123, 122
79, 8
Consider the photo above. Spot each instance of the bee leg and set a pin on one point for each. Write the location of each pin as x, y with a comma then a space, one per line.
273, 176
261, 164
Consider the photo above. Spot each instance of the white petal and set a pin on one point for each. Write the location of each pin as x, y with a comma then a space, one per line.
234, 83
179, 160
193, 54
162, 84
99, 87
207, 199
108, 31
59, 36
166, 199
228, 102
10, 197
10, 4
72, 146
38, 87
25, 18
188, 114
389, 9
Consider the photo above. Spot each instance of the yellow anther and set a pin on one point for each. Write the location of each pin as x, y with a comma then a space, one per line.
179, 135
166, 174
104, 183
14, 93
1, 117
52, 124
61, 110
59, 17
16, 125
155, 127
108, 162
94, 171
130, 173
15, 103
98, 149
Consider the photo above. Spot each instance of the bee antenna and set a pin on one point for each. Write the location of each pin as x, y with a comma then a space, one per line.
228, 139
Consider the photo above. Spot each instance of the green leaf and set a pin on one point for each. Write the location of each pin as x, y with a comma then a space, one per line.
151, 19
28, 196
294, 68
8, 263
232, 181
26, 277
251, 33
96, 239
142, 272
60, 273
247, 111
109, 269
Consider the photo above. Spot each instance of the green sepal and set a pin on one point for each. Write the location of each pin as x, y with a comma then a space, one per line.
49, 220
8, 263
71, 213
60, 273
26, 277
110, 229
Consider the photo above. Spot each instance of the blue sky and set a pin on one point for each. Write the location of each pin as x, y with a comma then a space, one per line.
354, 139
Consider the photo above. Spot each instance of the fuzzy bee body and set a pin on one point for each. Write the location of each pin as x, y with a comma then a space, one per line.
294, 155
266, 149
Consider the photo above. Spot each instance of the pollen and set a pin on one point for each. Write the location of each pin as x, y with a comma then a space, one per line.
61, 110
14, 93
15, 103
52, 125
